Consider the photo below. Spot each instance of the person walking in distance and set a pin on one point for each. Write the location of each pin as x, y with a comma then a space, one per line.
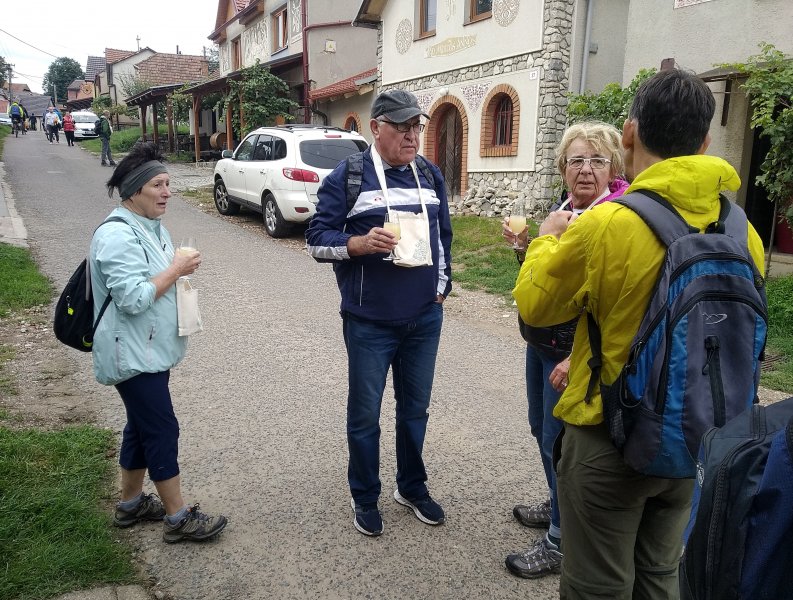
391, 302
105, 131
51, 122
623, 529
68, 128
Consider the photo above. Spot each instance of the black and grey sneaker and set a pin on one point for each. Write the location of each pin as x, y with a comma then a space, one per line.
540, 559
196, 526
538, 515
367, 519
149, 509
426, 509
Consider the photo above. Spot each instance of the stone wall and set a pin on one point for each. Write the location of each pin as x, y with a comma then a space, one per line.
492, 194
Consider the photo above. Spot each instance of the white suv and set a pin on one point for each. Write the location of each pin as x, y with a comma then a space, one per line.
276, 171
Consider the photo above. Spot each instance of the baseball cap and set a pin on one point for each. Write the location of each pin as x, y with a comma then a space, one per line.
397, 106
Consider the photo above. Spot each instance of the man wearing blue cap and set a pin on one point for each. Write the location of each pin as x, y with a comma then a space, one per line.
392, 292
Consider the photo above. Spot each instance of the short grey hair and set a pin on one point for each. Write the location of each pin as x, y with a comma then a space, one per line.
604, 138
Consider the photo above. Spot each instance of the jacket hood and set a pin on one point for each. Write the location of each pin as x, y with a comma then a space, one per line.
693, 181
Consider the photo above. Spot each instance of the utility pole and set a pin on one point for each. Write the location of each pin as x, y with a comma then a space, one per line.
137, 39
9, 68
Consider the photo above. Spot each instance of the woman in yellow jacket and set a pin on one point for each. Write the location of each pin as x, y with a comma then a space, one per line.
623, 530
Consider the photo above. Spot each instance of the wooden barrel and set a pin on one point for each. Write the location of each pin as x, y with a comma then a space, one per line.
218, 140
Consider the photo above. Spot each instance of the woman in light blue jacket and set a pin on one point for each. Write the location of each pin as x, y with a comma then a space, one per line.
137, 343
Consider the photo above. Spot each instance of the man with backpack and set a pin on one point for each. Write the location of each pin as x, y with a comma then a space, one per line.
623, 527
104, 131
392, 292
17, 114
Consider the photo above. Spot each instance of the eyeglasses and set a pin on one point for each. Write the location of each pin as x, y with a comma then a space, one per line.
595, 164
404, 127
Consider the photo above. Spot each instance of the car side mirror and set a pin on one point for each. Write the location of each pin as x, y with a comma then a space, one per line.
227, 154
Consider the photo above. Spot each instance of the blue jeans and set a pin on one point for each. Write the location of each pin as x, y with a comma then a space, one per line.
543, 425
106, 154
410, 351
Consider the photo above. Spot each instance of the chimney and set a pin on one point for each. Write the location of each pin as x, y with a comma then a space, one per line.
177, 50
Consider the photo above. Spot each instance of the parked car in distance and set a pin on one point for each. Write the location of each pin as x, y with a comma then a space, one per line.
84, 124
5, 119
276, 171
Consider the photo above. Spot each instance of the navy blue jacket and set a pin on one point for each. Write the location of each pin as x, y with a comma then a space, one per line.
371, 288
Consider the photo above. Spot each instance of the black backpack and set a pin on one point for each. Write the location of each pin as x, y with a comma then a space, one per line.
738, 498
694, 362
355, 176
98, 127
74, 323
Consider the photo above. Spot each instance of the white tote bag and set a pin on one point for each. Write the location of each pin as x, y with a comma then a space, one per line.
189, 317
413, 248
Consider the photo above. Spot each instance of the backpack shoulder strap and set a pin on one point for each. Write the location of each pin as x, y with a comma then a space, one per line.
659, 215
732, 221
353, 178
424, 166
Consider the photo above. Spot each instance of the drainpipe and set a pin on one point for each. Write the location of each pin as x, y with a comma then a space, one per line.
306, 29
587, 36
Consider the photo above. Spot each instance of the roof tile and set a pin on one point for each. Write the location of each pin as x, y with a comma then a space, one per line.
340, 87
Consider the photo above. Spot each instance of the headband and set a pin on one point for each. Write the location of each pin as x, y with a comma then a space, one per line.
138, 176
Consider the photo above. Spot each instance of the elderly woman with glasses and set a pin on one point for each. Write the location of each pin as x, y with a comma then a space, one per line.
589, 158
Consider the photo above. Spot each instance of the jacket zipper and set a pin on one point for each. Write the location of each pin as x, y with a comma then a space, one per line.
360, 293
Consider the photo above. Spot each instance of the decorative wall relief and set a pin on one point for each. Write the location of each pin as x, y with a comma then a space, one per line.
425, 101
254, 42
685, 3
224, 59
474, 94
295, 19
404, 36
505, 11
451, 46
451, 9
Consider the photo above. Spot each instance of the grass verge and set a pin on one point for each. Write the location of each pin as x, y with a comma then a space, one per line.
124, 139
54, 537
21, 283
55, 534
482, 260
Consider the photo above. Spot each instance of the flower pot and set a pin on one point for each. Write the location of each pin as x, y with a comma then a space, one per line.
783, 236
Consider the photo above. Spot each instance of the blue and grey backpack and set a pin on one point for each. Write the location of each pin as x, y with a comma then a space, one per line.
694, 363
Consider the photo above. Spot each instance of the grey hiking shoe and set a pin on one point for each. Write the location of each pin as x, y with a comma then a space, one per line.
196, 526
149, 509
538, 515
540, 559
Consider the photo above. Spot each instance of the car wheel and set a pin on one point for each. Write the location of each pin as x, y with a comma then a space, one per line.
222, 202
273, 220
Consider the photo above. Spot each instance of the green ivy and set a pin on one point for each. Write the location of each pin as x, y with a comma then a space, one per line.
264, 97
769, 85
610, 106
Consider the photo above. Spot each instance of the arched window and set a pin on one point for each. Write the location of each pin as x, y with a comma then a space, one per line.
352, 122
502, 122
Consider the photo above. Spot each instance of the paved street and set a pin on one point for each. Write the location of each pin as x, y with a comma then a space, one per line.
261, 401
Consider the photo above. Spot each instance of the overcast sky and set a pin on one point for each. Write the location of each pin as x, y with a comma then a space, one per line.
86, 28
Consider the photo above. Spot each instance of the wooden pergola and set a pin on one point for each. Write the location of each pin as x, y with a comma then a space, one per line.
152, 97
221, 84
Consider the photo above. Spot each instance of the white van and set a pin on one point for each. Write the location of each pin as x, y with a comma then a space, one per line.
84, 124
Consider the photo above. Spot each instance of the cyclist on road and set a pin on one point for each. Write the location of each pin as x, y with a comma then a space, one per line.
17, 114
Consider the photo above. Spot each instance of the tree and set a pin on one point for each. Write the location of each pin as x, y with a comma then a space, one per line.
769, 85
3, 71
213, 58
264, 97
610, 106
61, 73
